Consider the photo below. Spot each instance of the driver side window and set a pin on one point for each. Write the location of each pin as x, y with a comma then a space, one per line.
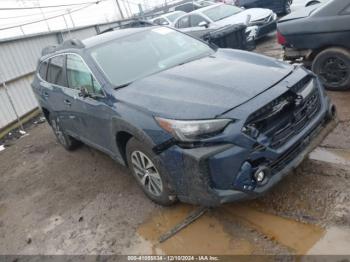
184, 22
79, 75
197, 19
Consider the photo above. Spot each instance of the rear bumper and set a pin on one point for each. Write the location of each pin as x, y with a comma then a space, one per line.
293, 53
195, 179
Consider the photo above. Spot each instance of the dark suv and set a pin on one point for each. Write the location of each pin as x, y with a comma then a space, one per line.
319, 36
280, 7
194, 123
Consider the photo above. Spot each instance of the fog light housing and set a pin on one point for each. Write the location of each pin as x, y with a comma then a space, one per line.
261, 175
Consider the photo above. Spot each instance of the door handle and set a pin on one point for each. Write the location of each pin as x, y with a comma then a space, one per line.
67, 102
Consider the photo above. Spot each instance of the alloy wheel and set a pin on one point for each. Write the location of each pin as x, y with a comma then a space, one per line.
147, 173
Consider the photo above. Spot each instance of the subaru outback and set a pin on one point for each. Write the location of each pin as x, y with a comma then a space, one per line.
192, 122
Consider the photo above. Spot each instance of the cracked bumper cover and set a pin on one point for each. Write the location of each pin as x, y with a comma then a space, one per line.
196, 185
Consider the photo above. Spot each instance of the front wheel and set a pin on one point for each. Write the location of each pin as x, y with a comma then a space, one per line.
333, 67
149, 173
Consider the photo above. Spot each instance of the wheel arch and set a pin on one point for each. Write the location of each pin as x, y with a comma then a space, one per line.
124, 131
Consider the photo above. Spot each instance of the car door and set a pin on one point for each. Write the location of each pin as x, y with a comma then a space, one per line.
57, 93
92, 113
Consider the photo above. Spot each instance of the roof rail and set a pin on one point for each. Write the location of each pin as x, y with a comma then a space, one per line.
132, 23
71, 43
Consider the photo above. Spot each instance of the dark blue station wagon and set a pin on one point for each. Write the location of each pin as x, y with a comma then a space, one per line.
192, 122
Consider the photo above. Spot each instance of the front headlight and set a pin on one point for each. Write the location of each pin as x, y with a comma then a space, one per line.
193, 130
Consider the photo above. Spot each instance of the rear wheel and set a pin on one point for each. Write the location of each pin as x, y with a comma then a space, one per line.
149, 173
68, 142
333, 67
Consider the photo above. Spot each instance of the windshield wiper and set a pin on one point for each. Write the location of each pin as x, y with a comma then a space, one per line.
123, 85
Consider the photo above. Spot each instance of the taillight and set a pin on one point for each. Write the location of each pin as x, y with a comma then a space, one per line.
281, 39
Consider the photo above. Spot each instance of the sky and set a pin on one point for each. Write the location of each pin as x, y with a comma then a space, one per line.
105, 11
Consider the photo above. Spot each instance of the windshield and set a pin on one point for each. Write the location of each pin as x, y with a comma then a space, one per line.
174, 16
222, 11
136, 56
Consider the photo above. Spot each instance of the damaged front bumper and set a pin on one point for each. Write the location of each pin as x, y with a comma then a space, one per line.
217, 174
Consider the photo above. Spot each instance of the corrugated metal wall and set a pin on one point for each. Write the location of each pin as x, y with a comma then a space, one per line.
18, 59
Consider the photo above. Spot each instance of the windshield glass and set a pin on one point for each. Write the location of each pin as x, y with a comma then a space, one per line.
222, 11
138, 55
174, 16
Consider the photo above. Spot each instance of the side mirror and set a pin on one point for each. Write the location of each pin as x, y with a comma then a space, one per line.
84, 93
203, 24
165, 23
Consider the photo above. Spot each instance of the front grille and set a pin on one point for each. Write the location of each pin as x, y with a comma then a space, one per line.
287, 115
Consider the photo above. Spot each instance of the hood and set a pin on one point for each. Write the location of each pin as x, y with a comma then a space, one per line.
241, 18
206, 87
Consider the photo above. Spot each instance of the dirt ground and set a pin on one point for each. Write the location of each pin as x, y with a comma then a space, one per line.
82, 202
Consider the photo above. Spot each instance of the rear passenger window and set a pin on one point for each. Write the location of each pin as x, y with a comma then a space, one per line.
79, 75
55, 71
43, 69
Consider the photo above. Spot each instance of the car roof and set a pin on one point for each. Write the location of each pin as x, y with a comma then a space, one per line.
113, 35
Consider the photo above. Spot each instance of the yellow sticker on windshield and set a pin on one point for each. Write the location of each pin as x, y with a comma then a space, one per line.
162, 30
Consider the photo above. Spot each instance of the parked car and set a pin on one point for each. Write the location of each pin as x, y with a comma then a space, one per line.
167, 19
319, 35
300, 4
260, 22
280, 7
202, 125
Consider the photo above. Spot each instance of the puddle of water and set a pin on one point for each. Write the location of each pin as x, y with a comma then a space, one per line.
333, 156
204, 236
295, 235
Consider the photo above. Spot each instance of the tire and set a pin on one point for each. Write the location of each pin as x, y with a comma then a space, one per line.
68, 142
333, 67
149, 173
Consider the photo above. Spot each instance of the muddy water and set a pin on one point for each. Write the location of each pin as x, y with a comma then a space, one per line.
204, 236
208, 234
